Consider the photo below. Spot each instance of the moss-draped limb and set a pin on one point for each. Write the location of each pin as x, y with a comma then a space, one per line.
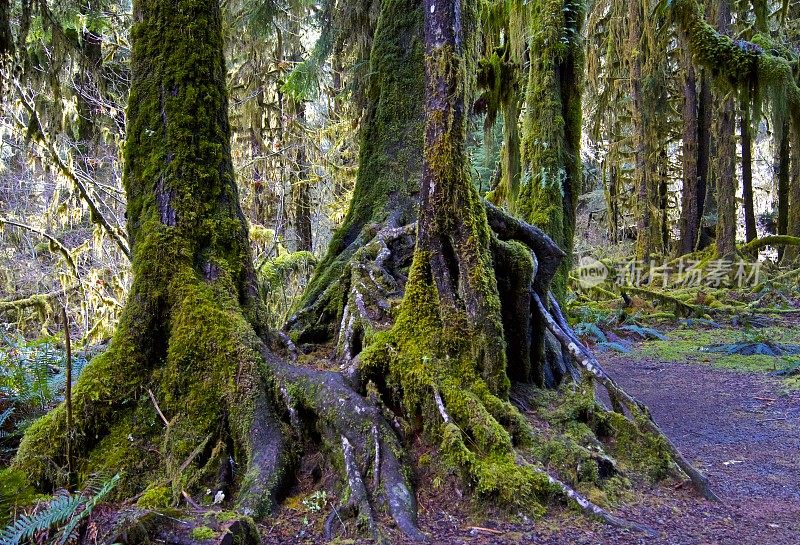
769, 240
551, 126
754, 65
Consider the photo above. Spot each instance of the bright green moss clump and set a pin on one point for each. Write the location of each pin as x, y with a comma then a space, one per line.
203, 533
157, 497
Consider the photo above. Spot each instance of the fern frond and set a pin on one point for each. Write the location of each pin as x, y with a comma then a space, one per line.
57, 512
63, 513
5, 415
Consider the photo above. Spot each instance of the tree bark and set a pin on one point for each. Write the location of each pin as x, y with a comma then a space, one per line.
690, 196
747, 174
704, 110
791, 253
726, 183
782, 168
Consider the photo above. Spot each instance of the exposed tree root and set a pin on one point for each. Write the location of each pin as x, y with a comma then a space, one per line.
358, 302
594, 511
566, 492
357, 426
639, 413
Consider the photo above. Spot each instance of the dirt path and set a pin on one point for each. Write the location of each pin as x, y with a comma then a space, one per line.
740, 430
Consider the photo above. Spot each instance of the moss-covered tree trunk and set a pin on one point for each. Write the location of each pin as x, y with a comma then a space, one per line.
704, 118
390, 161
189, 396
726, 181
453, 240
641, 150
551, 126
187, 344
648, 116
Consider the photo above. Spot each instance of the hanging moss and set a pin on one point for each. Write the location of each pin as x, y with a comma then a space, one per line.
757, 65
551, 126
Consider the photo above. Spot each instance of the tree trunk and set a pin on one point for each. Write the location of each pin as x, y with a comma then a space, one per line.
642, 151
453, 241
187, 340
704, 110
791, 252
6, 41
390, 160
551, 126
89, 88
6, 37
690, 196
303, 226
747, 175
726, 185
782, 168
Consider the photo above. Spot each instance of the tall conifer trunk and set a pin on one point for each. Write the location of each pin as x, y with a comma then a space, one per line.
725, 171
747, 174
690, 201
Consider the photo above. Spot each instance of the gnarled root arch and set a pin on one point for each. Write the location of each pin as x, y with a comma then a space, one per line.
481, 435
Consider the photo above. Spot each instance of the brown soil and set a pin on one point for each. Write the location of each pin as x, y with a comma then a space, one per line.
739, 428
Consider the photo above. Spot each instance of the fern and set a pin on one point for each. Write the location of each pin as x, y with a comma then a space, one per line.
104, 491
644, 332
63, 513
57, 512
616, 346
585, 329
5, 415
32, 380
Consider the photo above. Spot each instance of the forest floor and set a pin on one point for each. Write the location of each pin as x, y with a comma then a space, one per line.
740, 427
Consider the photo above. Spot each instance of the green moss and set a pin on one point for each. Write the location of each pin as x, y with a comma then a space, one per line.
643, 453
203, 533
157, 497
15, 493
226, 516
685, 346
421, 355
